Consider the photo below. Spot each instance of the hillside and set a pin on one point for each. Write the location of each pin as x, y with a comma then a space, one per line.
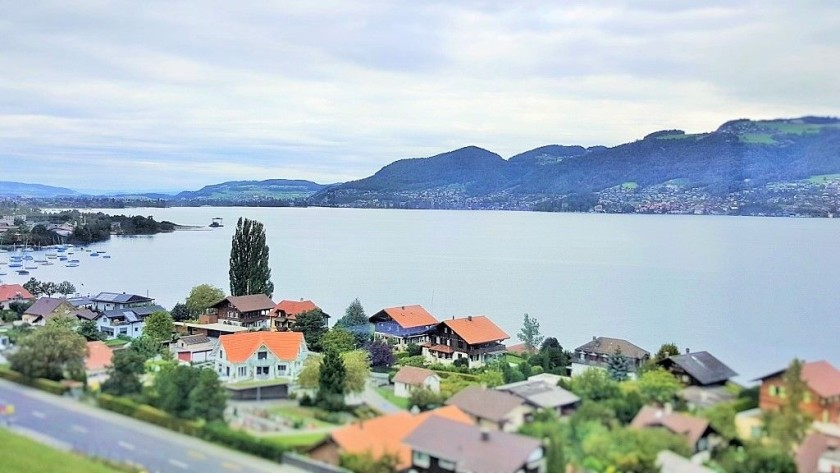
251, 190
682, 172
20, 189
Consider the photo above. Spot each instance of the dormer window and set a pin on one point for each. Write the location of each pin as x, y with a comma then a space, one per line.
262, 355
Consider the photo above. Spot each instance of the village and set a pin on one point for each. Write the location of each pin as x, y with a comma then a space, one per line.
404, 391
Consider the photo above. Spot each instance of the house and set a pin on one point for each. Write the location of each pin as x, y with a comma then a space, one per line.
105, 301
47, 308
698, 369
97, 361
126, 322
597, 353
521, 349
818, 453
256, 356
475, 339
245, 311
10, 293
491, 409
670, 462
212, 330
409, 378
403, 325
194, 348
539, 394
698, 433
440, 445
821, 400
381, 435
285, 313
749, 424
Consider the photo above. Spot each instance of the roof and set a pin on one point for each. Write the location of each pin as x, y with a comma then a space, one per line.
45, 306
609, 346
476, 329
485, 403
702, 366
86, 313
219, 327
820, 376
119, 298
520, 348
133, 314
441, 348
670, 462
385, 434
250, 303
293, 308
540, 394
407, 316
80, 301
240, 346
812, 448
470, 448
412, 375
98, 357
194, 339
691, 427
10, 292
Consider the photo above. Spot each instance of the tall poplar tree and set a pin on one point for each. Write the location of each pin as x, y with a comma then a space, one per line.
249, 271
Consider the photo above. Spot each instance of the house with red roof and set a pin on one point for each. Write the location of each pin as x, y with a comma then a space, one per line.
403, 325
10, 293
97, 361
260, 356
822, 400
285, 313
474, 338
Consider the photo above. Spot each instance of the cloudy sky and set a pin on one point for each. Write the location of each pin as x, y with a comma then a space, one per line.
108, 95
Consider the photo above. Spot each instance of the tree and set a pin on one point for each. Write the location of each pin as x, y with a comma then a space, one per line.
356, 367
658, 386
414, 349
356, 322
89, 330
249, 271
338, 339
201, 297
756, 458
424, 399
180, 312
787, 427
124, 374
595, 384
49, 288
331, 379
618, 365
381, 354
552, 357
173, 386
530, 333
365, 462
208, 398
159, 326
33, 286
53, 352
313, 324
145, 346
627, 449
667, 350
65, 288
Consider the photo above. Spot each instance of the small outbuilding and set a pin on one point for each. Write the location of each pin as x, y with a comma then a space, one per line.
410, 378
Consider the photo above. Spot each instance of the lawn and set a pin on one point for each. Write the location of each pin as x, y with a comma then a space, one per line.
296, 413
115, 342
513, 359
297, 441
823, 178
757, 138
22, 455
388, 394
630, 185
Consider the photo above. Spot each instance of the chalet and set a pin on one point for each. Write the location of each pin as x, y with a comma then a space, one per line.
126, 322
495, 410
245, 311
194, 348
10, 293
475, 339
285, 313
381, 435
540, 394
403, 325
440, 445
597, 353
260, 356
697, 432
105, 301
822, 399
410, 378
47, 308
698, 369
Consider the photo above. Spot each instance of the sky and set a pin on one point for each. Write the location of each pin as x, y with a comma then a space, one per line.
174, 95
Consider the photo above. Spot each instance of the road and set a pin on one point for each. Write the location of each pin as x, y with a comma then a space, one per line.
68, 424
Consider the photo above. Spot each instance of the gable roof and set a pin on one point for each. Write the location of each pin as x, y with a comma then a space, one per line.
540, 394
609, 346
239, 347
385, 434
120, 298
99, 356
132, 314
194, 339
412, 375
85, 313
293, 308
45, 306
250, 303
520, 349
691, 427
10, 292
476, 329
820, 376
406, 316
702, 366
470, 448
812, 448
485, 403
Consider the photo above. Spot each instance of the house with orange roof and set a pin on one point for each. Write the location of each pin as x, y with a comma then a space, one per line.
821, 400
403, 325
381, 435
97, 361
285, 313
475, 339
10, 293
260, 356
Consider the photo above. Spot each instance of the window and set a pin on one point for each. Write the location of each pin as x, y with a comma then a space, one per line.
262, 370
262, 355
123, 331
446, 465
281, 368
420, 459
243, 371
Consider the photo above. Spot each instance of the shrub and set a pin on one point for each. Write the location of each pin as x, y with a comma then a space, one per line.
220, 433
50, 386
13, 376
120, 405
330, 417
306, 401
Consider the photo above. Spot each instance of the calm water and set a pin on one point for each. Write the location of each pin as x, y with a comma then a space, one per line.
755, 292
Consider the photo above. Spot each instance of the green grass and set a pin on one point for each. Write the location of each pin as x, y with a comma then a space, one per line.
757, 138
253, 383
297, 413
514, 359
797, 128
297, 441
630, 185
22, 455
694, 136
822, 178
115, 342
388, 394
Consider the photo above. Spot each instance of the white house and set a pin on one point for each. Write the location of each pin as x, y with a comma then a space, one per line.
409, 378
105, 301
126, 322
260, 356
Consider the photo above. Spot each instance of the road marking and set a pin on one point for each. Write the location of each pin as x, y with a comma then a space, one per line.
79, 428
194, 454
125, 445
179, 464
39, 414
231, 466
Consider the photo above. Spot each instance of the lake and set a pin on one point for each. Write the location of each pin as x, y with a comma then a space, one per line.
755, 292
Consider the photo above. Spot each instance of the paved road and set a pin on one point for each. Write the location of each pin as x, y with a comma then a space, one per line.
68, 424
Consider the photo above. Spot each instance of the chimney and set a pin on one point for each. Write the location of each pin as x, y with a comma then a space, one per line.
687, 350
469, 318
485, 434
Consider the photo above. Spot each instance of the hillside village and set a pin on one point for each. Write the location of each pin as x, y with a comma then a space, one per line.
424, 394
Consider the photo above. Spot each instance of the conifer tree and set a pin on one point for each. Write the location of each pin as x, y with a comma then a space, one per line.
249, 270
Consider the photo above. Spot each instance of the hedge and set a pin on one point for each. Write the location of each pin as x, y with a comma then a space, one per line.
48, 385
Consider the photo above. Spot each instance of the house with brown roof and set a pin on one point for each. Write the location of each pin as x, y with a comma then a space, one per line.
491, 409
822, 399
818, 453
245, 311
285, 313
47, 308
475, 339
403, 325
541, 394
410, 378
97, 361
10, 293
381, 435
698, 433
597, 352
260, 356
439, 445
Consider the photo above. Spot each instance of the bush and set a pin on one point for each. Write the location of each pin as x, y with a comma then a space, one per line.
330, 417
120, 405
50, 386
220, 433
156, 416
414, 349
306, 401
12, 376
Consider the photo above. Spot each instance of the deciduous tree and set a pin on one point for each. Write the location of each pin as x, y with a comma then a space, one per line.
53, 352
124, 374
89, 330
208, 398
159, 327
338, 339
65, 288
381, 354
658, 386
530, 333
173, 388
249, 271
201, 297
180, 312
787, 427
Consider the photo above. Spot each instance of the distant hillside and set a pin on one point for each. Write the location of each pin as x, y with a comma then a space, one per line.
249, 190
20, 189
741, 156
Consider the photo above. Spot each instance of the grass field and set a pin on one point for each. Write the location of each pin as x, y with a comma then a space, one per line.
298, 441
630, 185
798, 128
388, 394
22, 455
513, 359
757, 138
297, 413
823, 178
